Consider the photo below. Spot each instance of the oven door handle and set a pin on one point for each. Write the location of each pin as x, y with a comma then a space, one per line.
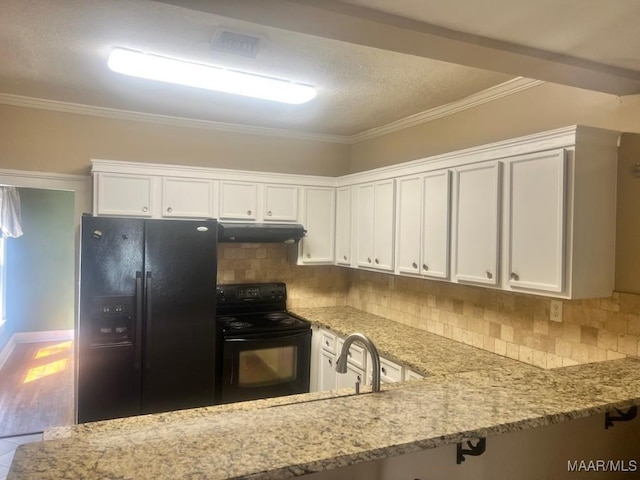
269, 336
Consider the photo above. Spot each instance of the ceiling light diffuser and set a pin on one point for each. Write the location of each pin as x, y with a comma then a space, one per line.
209, 77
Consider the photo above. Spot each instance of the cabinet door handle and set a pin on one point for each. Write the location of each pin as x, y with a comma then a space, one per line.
308, 255
248, 212
414, 265
326, 342
269, 213
425, 266
377, 261
369, 259
383, 370
145, 209
169, 210
345, 257
515, 276
489, 274
330, 362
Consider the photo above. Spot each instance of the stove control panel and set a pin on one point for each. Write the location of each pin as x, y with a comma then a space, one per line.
251, 293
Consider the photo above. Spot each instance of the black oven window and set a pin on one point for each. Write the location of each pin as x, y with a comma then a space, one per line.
267, 366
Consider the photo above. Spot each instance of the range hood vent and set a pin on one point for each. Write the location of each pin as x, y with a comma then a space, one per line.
260, 232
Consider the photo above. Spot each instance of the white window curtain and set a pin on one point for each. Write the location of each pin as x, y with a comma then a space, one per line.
10, 213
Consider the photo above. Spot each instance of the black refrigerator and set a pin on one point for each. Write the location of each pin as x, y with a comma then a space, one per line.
146, 326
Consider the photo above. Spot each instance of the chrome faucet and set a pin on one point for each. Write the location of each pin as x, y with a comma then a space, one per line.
341, 364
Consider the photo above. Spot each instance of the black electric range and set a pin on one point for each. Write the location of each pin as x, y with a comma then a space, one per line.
263, 350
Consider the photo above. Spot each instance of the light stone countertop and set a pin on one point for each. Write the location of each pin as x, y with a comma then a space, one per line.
287, 437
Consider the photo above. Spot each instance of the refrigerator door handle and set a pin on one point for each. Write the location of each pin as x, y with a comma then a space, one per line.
149, 318
138, 331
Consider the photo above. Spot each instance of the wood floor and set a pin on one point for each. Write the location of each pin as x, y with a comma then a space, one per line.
36, 388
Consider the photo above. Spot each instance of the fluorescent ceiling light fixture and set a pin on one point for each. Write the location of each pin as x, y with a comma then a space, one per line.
209, 77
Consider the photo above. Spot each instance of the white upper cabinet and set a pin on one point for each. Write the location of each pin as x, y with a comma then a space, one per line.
319, 221
477, 202
238, 200
343, 226
375, 224
187, 198
536, 220
383, 228
364, 224
280, 203
436, 214
408, 246
123, 194
423, 213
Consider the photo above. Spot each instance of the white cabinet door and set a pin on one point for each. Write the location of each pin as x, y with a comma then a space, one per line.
326, 371
409, 210
374, 225
477, 223
349, 379
319, 221
343, 226
383, 225
121, 194
280, 203
536, 203
436, 210
187, 198
238, 200
364, 224
411, 375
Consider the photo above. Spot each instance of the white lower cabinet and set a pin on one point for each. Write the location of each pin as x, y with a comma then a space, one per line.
326, 377
326, 348
411, 375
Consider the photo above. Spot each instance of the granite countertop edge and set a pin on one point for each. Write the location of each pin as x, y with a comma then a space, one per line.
589, 389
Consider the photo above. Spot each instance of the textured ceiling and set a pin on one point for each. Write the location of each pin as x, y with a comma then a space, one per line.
369, 73
58, 51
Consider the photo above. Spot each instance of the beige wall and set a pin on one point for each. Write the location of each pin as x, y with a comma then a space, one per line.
537, 109
48, 141
628, 218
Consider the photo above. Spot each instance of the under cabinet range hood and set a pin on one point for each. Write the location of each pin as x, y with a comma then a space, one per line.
260, 232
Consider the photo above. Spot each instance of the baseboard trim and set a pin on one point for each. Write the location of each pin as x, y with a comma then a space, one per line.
33, 337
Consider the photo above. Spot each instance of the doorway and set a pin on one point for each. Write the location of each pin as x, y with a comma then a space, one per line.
36, 344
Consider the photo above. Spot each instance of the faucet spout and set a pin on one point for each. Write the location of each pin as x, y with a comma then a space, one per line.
341, 364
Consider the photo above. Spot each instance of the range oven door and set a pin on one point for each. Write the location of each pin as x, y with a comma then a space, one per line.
265, 365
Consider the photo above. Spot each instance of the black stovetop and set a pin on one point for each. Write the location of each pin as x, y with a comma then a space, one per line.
255, 308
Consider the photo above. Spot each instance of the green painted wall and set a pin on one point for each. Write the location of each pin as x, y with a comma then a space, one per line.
40, 293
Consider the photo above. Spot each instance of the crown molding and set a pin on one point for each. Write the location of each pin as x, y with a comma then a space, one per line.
493, 93
490, 94
113, 113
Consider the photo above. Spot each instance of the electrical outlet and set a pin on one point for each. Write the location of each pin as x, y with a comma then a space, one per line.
556, 311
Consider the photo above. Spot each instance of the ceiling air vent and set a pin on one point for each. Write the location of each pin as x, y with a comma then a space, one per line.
236, 43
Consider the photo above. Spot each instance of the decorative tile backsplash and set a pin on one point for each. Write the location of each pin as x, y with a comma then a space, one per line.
509, 324
307, 286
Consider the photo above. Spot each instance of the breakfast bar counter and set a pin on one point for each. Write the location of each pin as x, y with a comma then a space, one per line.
465, 396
